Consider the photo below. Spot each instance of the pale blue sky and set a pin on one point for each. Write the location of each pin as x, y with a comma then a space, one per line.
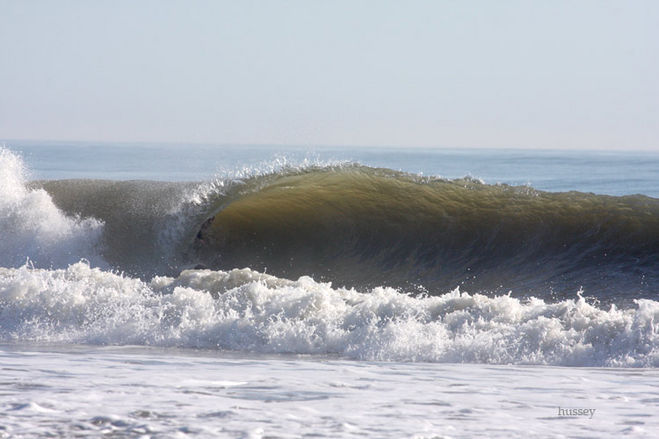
528, 74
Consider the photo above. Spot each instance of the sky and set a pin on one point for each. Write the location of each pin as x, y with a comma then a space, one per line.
504, 74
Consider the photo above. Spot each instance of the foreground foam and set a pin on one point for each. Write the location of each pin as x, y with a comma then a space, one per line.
247, 311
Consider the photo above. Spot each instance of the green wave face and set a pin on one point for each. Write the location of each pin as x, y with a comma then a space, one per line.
362, 227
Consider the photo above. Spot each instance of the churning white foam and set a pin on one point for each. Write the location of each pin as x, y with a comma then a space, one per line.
247, 311
33, 227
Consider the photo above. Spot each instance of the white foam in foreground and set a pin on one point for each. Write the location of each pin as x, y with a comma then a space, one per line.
169, 393
243, 310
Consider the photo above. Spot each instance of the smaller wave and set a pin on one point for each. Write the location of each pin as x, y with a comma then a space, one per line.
247, 311
33, 226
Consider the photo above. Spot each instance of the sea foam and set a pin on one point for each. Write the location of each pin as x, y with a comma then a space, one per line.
247, 311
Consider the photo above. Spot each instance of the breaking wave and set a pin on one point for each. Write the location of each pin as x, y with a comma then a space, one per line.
362, 263
364, 227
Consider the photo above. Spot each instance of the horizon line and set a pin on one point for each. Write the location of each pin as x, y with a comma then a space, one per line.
5, 141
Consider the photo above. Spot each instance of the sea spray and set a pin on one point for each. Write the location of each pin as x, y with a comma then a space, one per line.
33, 227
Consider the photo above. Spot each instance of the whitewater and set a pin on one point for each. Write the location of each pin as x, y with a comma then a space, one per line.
337, 295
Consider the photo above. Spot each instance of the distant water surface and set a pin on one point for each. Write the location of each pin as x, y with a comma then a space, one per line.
607, 172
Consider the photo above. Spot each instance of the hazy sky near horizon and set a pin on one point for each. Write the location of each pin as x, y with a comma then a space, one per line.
526, 74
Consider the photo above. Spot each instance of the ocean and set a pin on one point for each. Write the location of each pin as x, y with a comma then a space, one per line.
171, 290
